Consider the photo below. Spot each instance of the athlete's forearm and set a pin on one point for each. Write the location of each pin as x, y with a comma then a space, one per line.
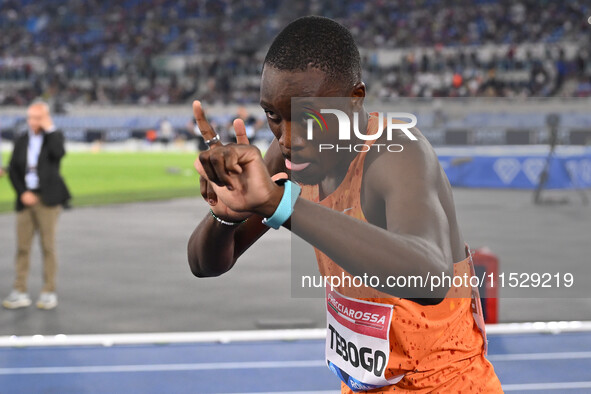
367, 249
214, 247
211, 248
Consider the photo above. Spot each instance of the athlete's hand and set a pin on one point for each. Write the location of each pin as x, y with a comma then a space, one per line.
234, 179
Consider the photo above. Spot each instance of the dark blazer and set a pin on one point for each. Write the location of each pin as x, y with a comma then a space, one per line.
53, 188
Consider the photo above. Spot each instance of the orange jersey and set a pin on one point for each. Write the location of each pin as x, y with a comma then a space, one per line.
378, 343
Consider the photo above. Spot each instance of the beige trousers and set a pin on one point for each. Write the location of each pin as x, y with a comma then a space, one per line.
43, 219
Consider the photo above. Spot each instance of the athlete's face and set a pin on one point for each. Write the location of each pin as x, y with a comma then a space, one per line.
278, 87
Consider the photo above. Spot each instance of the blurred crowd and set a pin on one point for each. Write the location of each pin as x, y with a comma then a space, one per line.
170, 51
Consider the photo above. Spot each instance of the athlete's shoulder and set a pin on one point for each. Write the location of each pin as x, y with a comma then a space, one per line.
397, 159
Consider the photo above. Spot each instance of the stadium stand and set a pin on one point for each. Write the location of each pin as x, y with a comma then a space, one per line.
167, 52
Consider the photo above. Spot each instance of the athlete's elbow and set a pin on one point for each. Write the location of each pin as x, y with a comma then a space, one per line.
204, 267
196, 260
201, 272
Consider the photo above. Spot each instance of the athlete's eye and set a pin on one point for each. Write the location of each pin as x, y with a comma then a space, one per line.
272, 115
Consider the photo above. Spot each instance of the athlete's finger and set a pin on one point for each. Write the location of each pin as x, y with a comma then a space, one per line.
203, 187
240, 131
203, 167
204, 127
207, 191
199, 167
219, 163
212, 197
207, 165
231, 160
212, 165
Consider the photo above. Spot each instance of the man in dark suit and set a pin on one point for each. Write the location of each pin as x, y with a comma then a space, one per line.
41, 192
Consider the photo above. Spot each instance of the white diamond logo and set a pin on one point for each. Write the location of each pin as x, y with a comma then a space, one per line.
507, 169
585, 166
579, 170
533, 169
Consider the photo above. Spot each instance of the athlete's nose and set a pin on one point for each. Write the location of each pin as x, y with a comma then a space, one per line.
285, 136
295, 137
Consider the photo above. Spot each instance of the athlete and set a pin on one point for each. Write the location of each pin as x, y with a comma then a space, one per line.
366, 212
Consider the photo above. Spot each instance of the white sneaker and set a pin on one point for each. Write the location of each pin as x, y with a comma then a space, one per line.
47, 301
16, 299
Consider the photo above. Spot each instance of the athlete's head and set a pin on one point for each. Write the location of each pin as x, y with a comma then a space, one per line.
312, 57
318, 43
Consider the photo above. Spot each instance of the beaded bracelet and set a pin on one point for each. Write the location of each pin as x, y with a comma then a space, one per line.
226, 222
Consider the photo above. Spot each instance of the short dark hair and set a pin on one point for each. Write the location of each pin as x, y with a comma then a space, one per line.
318, 42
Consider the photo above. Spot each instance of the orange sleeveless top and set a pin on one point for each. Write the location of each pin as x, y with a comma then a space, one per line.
433, 348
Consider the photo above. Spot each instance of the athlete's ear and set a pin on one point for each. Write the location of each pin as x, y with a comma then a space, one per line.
358, 94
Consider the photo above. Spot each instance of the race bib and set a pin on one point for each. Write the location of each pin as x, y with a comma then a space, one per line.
357, 343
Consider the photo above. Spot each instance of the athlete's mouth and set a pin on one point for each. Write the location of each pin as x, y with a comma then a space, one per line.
295, 166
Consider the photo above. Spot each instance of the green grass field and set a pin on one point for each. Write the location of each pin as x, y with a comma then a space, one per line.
108, 178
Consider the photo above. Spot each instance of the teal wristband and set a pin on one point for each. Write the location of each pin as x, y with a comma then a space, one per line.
284, 210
